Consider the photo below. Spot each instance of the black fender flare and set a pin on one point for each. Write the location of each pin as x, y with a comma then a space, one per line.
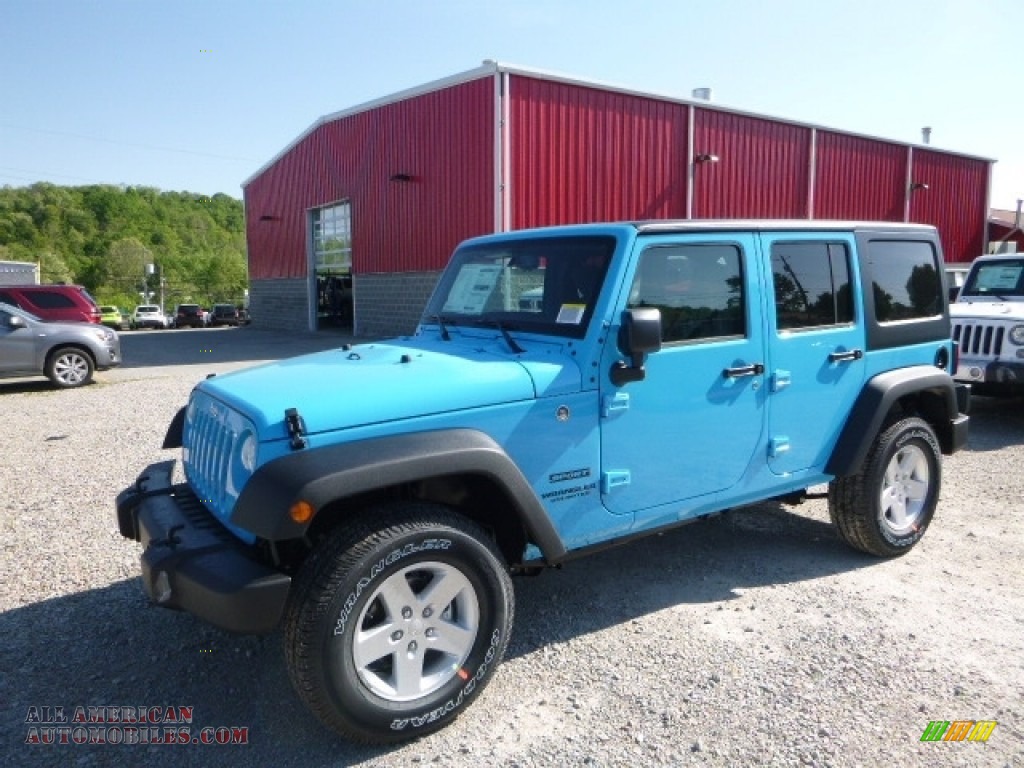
321, 476
877, 398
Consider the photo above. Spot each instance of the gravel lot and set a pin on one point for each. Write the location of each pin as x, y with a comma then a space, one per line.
754, 638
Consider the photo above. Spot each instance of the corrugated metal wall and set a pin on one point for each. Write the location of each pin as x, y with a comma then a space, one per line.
955, 200
761, 171
859, 178
443, 140
582, 154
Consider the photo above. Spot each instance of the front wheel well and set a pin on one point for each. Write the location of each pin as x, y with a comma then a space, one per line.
475, 496
72, 345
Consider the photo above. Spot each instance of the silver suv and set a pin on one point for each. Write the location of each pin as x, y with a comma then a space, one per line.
66, 353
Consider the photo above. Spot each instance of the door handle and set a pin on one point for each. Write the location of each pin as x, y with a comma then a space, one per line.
845, 357
754, 369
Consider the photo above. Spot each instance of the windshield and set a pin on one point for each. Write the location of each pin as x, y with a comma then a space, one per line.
546, 285
998, 279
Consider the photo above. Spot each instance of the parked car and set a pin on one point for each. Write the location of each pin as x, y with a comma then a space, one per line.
149, 316
66, 353
112, 317
189, 316
53, 303
988, 326
224, 314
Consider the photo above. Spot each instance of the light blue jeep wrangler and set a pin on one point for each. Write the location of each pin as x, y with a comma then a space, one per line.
566, 389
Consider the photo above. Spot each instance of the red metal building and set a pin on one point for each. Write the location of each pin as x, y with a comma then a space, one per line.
352, 222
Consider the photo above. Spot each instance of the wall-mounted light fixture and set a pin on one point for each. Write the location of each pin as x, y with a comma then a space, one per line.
401, 177
706, 157
268, 217
918, 185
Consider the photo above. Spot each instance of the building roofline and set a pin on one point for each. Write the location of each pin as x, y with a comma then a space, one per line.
490, 68
486, 69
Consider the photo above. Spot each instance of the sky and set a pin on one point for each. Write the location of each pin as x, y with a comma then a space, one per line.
196, 95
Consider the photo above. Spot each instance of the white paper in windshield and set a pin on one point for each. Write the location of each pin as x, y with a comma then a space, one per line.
472, 288
1002, 278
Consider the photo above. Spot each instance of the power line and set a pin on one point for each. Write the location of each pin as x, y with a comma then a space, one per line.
37, 174
149, 147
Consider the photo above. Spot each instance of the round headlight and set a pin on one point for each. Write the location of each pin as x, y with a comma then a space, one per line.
247, 455
1017, 335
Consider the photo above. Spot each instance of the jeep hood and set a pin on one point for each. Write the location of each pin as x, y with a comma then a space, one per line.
989, 310
369, 384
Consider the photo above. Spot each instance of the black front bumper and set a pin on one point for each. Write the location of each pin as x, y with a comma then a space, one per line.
192, 563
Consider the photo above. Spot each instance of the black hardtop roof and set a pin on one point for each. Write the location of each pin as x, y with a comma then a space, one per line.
769, 225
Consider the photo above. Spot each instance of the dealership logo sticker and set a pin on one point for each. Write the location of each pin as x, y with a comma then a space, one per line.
128, 725
958, 730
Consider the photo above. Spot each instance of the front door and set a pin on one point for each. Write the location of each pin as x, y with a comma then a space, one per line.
694, 424
17, 346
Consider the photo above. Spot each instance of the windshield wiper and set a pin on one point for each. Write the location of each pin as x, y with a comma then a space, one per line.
504, 333
441, 323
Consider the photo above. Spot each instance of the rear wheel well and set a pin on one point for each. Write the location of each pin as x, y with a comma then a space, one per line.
928, 404
477, 497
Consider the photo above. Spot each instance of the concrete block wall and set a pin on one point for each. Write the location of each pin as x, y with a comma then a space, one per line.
391, 304
281, 304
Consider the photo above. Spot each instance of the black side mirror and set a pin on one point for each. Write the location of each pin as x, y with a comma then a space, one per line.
639, 336
16, 321
953, 293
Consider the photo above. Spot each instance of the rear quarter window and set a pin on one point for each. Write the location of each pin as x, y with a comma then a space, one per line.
903, 295
906, 281
50, 300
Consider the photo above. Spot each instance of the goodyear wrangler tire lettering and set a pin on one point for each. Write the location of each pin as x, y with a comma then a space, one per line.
887, 506
395, 624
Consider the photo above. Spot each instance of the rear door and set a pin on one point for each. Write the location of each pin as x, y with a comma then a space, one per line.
816, 346
694, 424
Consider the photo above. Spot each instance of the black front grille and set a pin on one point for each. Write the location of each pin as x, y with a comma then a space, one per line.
979, 339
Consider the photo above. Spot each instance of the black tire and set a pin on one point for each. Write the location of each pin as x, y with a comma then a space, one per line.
887, 506
365, 591
69, 367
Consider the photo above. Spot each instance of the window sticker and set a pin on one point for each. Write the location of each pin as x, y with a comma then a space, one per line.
571, 314
472, 288
999, 279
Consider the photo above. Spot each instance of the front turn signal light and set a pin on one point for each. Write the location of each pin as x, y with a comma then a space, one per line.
301, 512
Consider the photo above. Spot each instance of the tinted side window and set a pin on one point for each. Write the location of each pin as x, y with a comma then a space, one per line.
812, 284
905, 280
7, 298
698, 288
50, 300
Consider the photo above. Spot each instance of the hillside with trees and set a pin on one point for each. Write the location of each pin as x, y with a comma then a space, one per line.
103, 237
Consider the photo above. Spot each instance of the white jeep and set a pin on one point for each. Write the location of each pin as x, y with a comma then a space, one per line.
988, 325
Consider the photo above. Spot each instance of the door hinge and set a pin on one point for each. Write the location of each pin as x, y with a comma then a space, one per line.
780, 380
616, 402
615, 478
